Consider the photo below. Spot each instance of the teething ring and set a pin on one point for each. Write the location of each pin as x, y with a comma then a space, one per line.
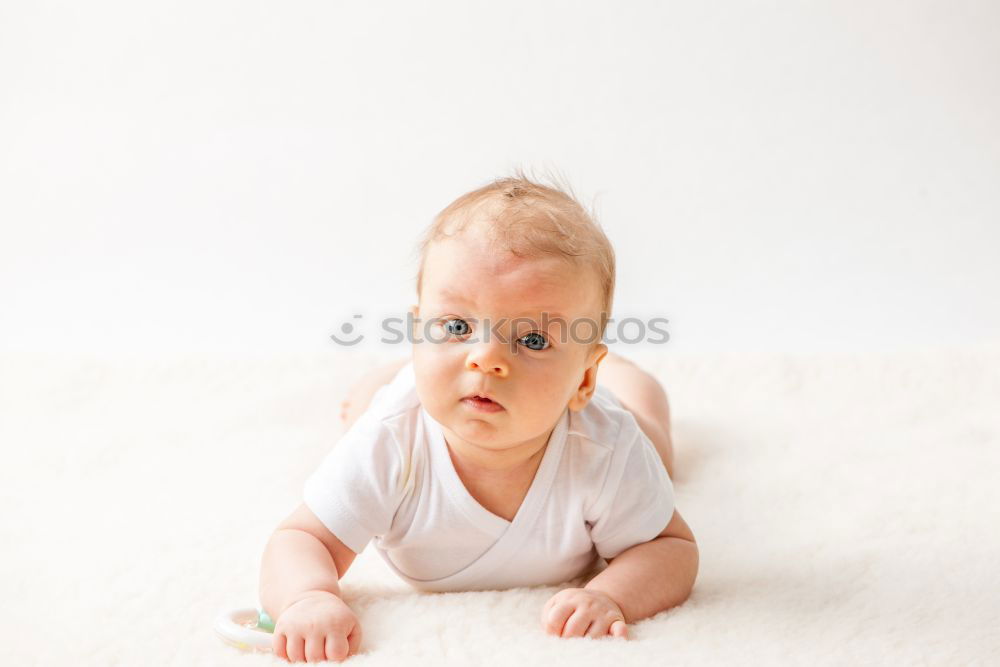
246, 629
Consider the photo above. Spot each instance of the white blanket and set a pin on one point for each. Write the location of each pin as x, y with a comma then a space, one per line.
846, 509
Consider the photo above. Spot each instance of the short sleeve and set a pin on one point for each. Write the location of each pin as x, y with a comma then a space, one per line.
355, 491
637, 501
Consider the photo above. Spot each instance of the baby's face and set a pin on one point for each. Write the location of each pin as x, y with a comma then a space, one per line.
532, 372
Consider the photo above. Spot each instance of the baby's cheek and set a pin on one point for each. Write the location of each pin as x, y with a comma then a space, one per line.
428, 389
532, 417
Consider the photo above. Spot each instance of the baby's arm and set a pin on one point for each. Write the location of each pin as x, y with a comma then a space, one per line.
301, 566
639, 582
653, 576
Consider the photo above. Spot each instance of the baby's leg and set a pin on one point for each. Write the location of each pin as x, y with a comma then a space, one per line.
360, 395
642, 395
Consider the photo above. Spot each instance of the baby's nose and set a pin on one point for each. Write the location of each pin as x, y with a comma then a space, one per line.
488, 359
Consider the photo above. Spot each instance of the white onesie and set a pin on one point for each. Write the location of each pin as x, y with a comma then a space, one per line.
599, 489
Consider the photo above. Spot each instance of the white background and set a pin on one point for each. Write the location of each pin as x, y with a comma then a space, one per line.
242, 177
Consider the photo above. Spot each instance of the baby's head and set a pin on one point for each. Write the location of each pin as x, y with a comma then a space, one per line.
514, 292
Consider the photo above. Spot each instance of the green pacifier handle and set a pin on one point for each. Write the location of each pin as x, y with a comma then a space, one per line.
264, 622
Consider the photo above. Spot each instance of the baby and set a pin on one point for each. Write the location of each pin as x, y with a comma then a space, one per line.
493, 458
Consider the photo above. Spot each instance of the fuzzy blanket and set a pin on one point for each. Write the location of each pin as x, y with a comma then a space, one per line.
846, 508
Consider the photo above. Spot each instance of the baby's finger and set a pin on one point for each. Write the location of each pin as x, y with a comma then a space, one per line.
545, 612
354, 640
619, 629
278, 645
557, 617
577, 624
295, 648
336, 647
599, 628
315, 648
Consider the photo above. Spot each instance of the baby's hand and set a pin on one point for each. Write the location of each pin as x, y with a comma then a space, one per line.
579, 612
315, 628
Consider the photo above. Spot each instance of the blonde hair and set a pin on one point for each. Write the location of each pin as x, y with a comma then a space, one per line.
529, 219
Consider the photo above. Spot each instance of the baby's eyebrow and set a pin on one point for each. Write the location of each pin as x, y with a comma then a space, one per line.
552, 314
447, 297
529, 315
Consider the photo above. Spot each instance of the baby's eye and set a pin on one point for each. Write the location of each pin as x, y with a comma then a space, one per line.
535, 341
456, 326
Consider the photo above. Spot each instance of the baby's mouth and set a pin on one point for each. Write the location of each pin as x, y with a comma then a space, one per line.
482, 403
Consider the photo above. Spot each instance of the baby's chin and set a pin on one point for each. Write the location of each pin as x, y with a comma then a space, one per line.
482, 430
488, 434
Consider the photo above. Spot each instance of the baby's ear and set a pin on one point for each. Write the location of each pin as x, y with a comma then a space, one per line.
588, 386
415, 315
599, 352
